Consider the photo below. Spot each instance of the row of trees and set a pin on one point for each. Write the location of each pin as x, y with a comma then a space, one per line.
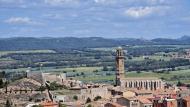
150, 50
150, 64
88, 57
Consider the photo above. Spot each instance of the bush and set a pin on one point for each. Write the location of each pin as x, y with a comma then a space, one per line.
75, 97
97, 98
105, 68
89, 105
88, 100
37, 106
42, 88
95, 71
54, 86
179, 83
8, 103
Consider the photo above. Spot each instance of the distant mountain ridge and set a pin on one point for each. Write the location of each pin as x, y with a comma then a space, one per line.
29, 43
184, 40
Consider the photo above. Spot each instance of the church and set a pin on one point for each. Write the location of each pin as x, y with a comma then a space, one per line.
147, 83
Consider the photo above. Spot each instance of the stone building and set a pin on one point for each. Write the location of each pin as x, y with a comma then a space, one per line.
94, 92
184, 102
142, 83
165, 103
111, 104
139, 83
144, 102
59, 78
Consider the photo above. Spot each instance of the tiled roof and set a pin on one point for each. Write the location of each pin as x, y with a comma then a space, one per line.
49, 104
144, 100
187, 98
115, 104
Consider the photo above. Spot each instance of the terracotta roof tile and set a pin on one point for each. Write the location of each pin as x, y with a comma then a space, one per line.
145, 101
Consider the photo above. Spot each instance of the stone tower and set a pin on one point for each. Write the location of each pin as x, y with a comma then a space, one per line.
120, 70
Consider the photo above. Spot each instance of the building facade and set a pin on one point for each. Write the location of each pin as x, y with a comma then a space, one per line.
139, 83
142, 83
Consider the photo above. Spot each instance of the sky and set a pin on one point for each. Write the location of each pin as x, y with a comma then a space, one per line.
95, 18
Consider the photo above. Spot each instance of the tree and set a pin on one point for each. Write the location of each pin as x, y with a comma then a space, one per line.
42, 88
62, 105
1, 83
105, 68
130, 57
54, 86
97, 98
97, 57
88, 100
82, 73
162, 78
8, 103
113, 69
75, 97
179, 83
37, 106
173, 68
77, 74
168, 71
95, 71
89, 105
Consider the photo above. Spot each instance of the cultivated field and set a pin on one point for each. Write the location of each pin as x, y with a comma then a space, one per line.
87, 64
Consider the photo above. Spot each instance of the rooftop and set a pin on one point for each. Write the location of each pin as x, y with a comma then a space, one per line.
115, 104
49, 104
145, 101
187, 98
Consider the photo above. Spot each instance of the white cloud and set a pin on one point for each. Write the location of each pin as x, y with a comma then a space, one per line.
155, 1
61, 2
11, 1
18, 20
139, 12
186, 19
149, 2
21, 20
53, 16
105, 1
81, 31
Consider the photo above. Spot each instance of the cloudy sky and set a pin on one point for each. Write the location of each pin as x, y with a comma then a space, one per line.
100, 18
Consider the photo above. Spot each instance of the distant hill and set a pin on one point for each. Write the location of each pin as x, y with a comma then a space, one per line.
28, 43
184, 40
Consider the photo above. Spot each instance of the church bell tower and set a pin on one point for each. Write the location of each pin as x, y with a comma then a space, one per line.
120, 69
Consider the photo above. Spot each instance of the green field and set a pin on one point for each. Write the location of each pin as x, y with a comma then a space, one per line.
182, 75
27, 51
166, 76
155, 57
82, 69
87, 74
96, 78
